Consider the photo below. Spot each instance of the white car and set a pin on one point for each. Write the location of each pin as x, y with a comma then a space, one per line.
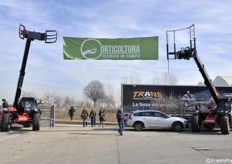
154, 119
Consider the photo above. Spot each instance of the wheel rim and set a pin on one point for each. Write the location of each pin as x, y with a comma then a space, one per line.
177, 127
138, 126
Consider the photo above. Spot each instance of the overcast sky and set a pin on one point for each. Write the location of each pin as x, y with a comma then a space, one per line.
47, 71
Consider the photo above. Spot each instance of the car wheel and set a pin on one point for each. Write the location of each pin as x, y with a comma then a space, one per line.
138, 126
177, 127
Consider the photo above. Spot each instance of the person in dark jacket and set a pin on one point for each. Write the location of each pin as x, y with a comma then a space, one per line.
71, 112
101, 117
93, 117
120, 118
4, 103
84, 116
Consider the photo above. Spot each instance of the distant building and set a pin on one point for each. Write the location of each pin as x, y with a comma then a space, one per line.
225, 81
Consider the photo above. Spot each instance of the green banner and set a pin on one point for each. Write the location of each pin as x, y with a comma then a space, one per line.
143, 48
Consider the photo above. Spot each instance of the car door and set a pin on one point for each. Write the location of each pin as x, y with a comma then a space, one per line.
162, 121
147, 118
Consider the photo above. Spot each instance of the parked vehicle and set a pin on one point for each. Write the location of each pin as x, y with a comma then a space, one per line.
154, 119
220, 116
25, 110
126, 118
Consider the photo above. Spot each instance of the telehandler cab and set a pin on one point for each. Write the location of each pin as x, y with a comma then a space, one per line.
25, 110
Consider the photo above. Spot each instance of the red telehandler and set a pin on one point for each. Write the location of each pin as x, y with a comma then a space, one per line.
25, 110
220, 114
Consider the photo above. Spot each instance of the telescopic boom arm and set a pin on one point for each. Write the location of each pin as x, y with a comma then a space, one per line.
191, 52
50, 36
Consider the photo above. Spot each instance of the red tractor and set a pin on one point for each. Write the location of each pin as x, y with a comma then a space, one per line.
218, 115
26, 113
25, 110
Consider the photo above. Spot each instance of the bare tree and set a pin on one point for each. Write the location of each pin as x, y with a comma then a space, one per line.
110, 101
51, 98
82, 103
172, 79
124, 80
107, 101
131, 79
166, 78
109, 98
68, 101
94, 91
28, 94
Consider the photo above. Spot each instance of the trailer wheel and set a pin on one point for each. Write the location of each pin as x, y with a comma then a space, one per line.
36, 122
225, 127
195, 123
5, 122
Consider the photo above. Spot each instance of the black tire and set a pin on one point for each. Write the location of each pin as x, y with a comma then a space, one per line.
195, 124
225, 127
138, 126
177, 126
5, 122
36, 122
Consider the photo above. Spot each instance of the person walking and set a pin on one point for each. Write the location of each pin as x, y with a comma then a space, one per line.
71, 112
84, 116
120, 118
93, 117
101, 117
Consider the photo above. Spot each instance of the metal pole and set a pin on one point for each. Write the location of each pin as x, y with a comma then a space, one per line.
52, 116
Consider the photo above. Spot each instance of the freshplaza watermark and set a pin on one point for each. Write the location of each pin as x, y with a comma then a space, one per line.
219, 160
